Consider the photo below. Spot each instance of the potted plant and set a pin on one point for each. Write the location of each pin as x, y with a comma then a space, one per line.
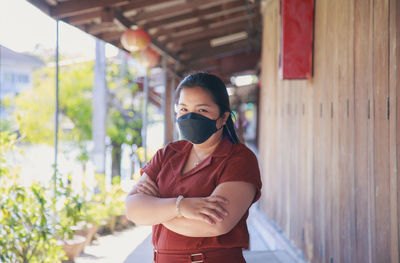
27, 233
92, 218
111, 203
68, 213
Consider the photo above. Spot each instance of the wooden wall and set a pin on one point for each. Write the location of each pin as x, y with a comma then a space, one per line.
330, 146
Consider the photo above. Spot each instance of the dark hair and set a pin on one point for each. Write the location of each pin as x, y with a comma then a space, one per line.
217, 89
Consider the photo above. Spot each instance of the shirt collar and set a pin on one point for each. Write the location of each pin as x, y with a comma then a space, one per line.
223, 149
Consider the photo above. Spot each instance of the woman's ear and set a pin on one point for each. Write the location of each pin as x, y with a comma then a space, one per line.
226, 116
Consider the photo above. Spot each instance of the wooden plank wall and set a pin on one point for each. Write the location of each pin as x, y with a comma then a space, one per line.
330, 146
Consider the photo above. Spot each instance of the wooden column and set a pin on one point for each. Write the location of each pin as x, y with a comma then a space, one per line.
394, 136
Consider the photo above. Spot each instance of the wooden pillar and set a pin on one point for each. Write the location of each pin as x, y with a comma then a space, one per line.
394, 125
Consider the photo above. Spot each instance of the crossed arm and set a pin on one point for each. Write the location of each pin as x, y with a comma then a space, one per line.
208, 216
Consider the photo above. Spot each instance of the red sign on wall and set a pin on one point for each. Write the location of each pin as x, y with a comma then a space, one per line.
297, 38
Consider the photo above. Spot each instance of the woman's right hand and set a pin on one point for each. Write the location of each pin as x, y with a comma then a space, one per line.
208, 209
145, 186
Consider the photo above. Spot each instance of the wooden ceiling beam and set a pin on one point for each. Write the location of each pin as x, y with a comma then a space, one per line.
201, 23
210, 33
205, 43
226, 66
176, 9
83, 19
187, 53
197, 13
51, 2
227, 24
110, 36
41, 5
140, 4
197, 44
236, 47
230, 64
96, 29
77, 7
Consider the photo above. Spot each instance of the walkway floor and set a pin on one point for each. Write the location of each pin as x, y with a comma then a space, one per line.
133, 246
115, 248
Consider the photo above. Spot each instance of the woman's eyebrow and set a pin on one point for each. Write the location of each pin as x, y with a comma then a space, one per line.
197, 105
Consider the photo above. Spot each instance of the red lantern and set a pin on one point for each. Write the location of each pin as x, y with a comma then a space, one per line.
148, 57
135, 39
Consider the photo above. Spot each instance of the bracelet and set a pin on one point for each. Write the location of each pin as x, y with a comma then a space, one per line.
178, 201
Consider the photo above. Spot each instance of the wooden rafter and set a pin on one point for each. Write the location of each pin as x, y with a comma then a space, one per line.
209, 33
201, 23
41, 5
84, 18
96, 29
110, 36
205, 43
239, 22
181, 30
228, 65
175, 9
197, 13
51, 2
219, 51
189, 53
138, 5
77, 7
199, 45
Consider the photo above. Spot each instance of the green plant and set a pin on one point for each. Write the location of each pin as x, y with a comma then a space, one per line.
70, 208
111, 203
94, 212
27, 233
7, 144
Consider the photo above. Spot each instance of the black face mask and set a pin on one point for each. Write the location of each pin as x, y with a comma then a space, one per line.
196, 128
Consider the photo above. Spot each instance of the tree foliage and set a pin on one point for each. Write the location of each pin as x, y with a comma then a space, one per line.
124, 122
35, 107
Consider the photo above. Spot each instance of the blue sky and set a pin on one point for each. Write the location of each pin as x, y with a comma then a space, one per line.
23, 26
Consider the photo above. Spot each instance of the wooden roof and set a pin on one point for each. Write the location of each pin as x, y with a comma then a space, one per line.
219, 36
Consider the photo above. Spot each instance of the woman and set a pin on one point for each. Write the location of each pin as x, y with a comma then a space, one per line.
196, 193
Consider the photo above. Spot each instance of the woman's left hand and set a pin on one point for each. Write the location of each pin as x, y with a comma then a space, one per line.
209, 209
147, 186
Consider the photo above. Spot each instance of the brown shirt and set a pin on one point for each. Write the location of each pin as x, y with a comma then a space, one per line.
229, 162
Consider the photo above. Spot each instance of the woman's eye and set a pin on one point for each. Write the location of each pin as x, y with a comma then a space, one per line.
182, 109
203, 110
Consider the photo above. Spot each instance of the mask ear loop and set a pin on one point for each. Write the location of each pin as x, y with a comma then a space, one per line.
222, 125
230, 134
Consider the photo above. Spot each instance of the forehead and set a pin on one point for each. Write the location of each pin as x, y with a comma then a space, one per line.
195, 95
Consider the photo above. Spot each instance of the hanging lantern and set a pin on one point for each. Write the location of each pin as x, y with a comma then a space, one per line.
135, 40
148, 57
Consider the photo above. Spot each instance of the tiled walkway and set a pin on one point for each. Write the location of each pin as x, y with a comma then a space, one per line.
143, 254
114, 248
133, 246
